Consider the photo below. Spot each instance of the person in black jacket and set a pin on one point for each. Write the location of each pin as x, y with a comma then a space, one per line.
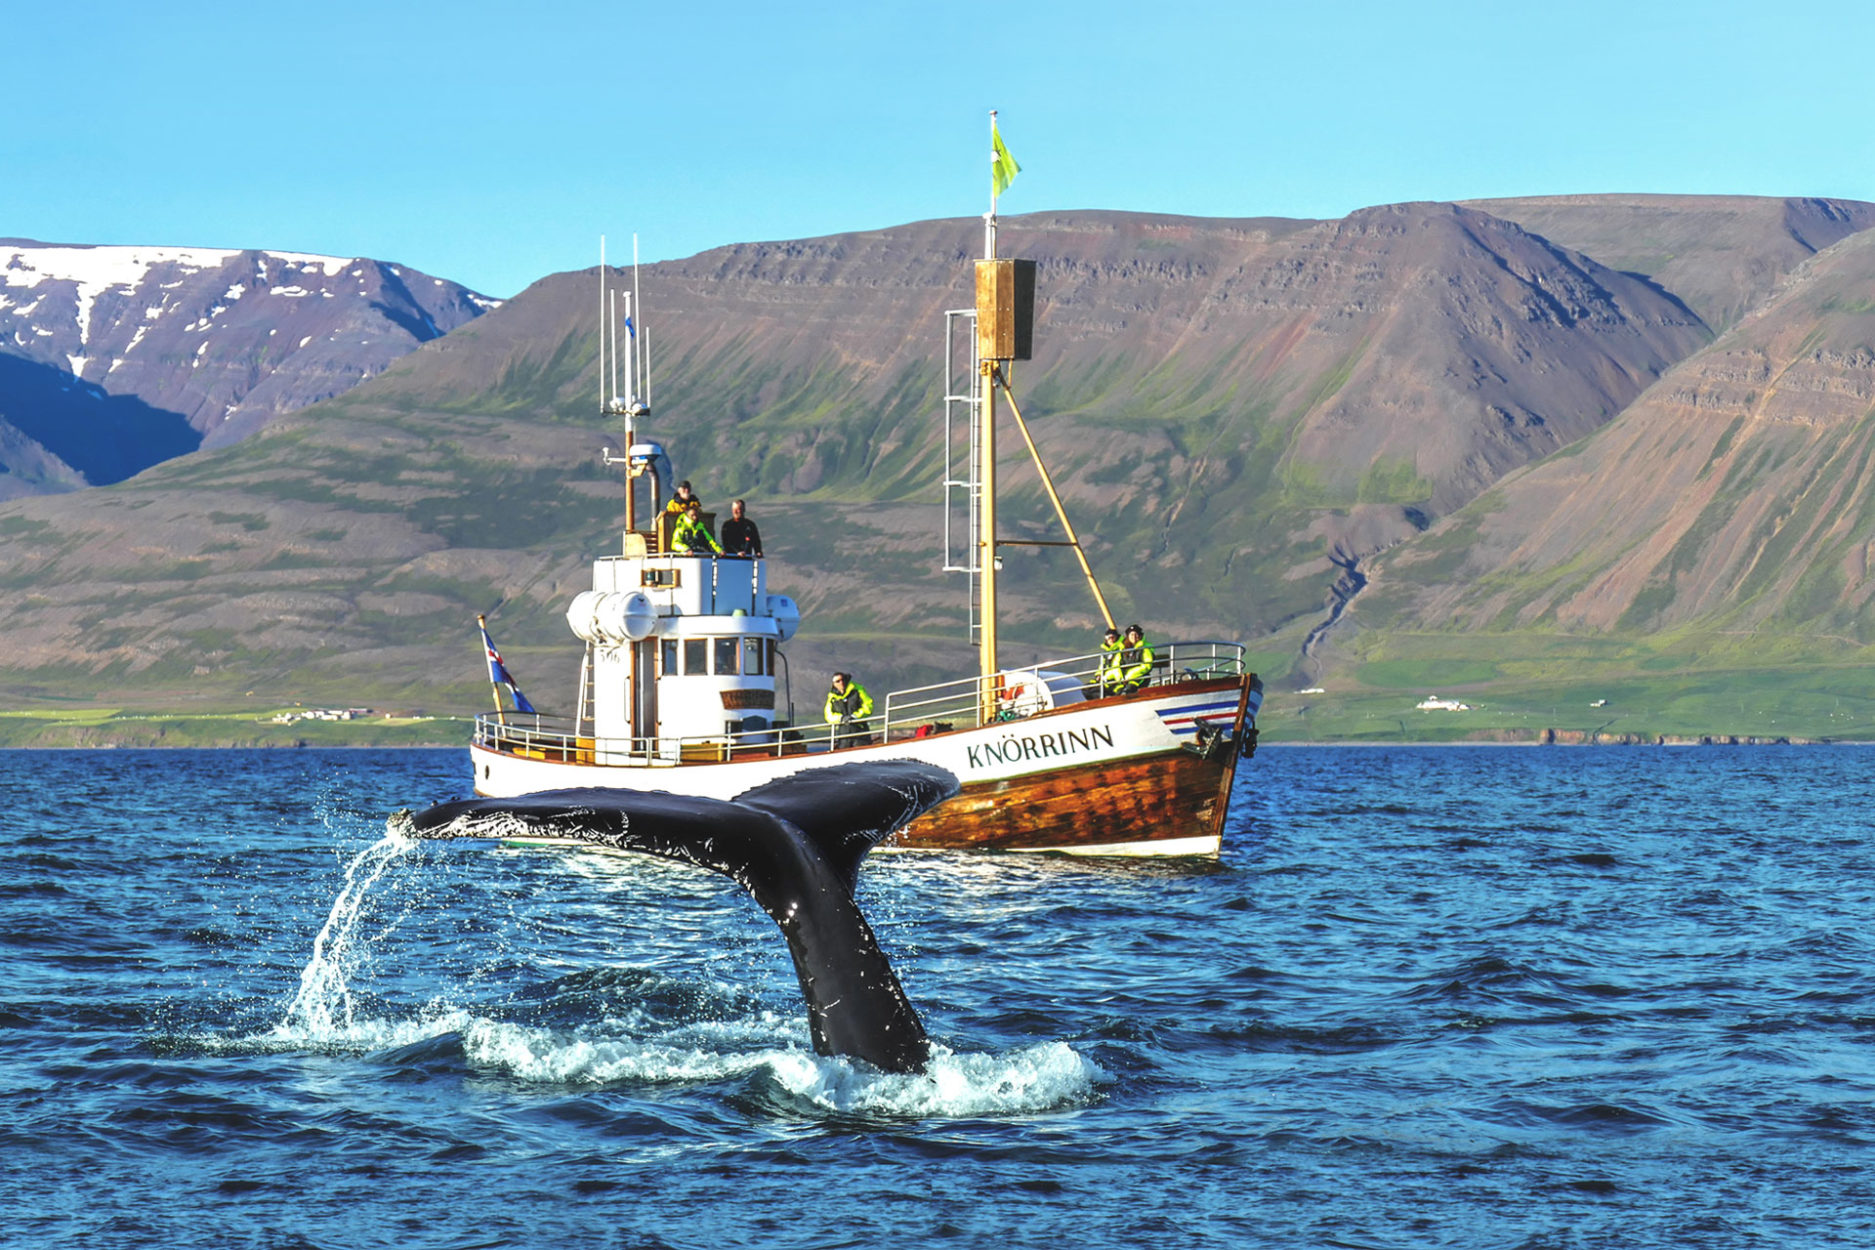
740, 537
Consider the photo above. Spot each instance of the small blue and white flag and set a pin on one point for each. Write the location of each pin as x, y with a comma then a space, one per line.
498, 674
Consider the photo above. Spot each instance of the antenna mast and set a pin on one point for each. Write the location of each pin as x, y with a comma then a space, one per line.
604, 300
631, 387
638, 335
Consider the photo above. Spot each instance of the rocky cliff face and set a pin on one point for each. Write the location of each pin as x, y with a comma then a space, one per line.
1738, 494
116, 358
1721, 254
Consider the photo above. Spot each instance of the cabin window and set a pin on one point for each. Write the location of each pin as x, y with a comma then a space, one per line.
752, 665
662, 579
696, 656
669, 658
726, 649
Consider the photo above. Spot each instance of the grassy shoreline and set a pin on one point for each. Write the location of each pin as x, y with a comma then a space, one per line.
1362, 719
1428, 702
108, 728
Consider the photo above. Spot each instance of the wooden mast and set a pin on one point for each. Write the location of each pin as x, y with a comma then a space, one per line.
1005, 320
987, 666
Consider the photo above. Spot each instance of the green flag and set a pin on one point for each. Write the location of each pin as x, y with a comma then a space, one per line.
1003, 167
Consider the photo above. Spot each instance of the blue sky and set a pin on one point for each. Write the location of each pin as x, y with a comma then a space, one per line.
479, 144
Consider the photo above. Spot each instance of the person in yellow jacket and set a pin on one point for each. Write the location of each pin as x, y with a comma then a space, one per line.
848, 706
692, 536
1107, 676
1135, 660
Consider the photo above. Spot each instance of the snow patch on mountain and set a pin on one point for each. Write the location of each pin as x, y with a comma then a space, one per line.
330, 266
96, 270
190, 339
99, 267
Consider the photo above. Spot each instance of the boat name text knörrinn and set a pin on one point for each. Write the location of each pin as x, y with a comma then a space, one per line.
1014, 750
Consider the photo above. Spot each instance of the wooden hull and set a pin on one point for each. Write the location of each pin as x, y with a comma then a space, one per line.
1166, 804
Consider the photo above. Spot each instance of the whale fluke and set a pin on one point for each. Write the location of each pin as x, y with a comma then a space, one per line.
795, 844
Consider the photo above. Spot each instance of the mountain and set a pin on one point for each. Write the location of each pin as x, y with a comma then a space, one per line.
1326, 387
1237, 411
116, 358
1731, 508
1721, 254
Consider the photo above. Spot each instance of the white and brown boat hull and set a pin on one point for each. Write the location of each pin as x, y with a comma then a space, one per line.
1146, 774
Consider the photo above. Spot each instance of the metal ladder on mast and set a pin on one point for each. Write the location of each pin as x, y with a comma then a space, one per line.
963, 418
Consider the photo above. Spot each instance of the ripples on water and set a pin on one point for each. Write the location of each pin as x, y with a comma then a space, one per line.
1452, 997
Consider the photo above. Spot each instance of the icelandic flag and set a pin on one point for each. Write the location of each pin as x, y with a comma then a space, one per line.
629, 331
498, 674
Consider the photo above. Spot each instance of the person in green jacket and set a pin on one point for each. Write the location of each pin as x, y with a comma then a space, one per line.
692, 536
1107, 676
1135, 660
848, 706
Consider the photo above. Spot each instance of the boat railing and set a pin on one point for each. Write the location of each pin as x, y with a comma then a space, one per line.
726, 582
545, 737
924, 710
907, 714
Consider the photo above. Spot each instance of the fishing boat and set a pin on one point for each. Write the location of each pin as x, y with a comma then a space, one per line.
684, 685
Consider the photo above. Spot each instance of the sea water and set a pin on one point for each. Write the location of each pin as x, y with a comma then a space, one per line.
1538, 997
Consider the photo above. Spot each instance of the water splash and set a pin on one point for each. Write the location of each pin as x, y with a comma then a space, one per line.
599, 1056
633, 1037
1046, 1077
323, 1008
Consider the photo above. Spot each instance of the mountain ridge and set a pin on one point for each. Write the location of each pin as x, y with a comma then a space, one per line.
123, 356
1243, 414
1723, 254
